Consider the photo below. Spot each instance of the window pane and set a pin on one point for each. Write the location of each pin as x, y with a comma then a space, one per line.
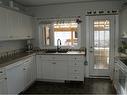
67, 33
101, 44
64, 37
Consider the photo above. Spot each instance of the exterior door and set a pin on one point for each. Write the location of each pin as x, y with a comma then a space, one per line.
101, 44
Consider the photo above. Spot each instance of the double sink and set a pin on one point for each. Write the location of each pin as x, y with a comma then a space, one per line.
56, 51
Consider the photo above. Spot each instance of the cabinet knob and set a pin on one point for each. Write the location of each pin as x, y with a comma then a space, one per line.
24, 68
5, 78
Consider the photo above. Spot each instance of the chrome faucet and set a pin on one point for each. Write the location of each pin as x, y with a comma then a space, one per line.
58, 44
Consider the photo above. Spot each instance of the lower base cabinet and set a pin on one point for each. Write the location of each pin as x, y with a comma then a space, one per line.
20, 76
15, 79
120, 77
3, 85
60, 67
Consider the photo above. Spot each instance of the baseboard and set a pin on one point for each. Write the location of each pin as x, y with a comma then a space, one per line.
104, 77
50, 80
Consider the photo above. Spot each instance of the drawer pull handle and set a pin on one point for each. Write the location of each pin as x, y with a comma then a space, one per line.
5, 78
75, 63
76, 70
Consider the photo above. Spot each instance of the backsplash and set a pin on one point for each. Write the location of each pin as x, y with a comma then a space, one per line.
11, 47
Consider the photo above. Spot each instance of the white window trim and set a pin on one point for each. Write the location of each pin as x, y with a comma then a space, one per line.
51, 46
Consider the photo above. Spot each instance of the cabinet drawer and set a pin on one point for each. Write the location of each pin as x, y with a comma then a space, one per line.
27, 60
76, 77
76, 57
52, 57
75, 71
76, 63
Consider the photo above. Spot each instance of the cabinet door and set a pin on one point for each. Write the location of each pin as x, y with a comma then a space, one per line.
123, 22
27, 26
3, 86
3, 24
15, 79
48, 70
28, 74
14, 22
60, 70
39, 63
116, 76
45, 69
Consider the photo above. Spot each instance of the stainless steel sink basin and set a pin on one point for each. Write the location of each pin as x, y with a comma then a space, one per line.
55, 51
49, 51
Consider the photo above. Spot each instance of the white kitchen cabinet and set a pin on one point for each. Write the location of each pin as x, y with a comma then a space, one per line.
3, 86
20, 75
20, 25
120, 77
4, 29
15, 25
27, 26
60, 67
51, 67
15, 79
54, 70
28, 68
123, 22
76, 68
116, 76
3, 82
48, 71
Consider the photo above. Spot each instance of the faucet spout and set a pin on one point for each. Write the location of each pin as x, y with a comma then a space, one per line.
58, 44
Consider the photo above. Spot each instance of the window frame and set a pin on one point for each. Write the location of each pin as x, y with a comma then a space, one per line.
52, 46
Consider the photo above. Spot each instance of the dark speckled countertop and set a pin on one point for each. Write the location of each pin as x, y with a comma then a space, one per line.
19, 56
12, 59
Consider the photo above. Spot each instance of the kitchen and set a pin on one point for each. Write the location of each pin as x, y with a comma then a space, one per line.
63, 47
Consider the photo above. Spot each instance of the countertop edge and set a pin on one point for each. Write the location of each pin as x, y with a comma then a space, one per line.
14, 61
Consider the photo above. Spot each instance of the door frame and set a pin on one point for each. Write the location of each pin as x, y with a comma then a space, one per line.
114, 46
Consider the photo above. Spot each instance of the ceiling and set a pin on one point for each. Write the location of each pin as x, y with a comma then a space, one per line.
47, 2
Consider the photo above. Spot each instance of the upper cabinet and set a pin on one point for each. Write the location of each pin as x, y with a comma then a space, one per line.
15, 25
4, 29
123, 23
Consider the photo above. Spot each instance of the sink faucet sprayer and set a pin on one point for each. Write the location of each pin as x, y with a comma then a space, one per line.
58, 44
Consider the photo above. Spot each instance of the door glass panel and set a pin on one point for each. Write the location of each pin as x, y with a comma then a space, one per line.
101, 44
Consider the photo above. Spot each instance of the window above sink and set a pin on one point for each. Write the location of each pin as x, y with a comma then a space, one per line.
68, 31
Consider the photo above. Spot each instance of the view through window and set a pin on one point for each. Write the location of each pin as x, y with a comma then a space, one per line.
67, 33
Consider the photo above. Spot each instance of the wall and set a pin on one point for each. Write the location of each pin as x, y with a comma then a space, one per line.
5, 3
11, 45
74, 9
